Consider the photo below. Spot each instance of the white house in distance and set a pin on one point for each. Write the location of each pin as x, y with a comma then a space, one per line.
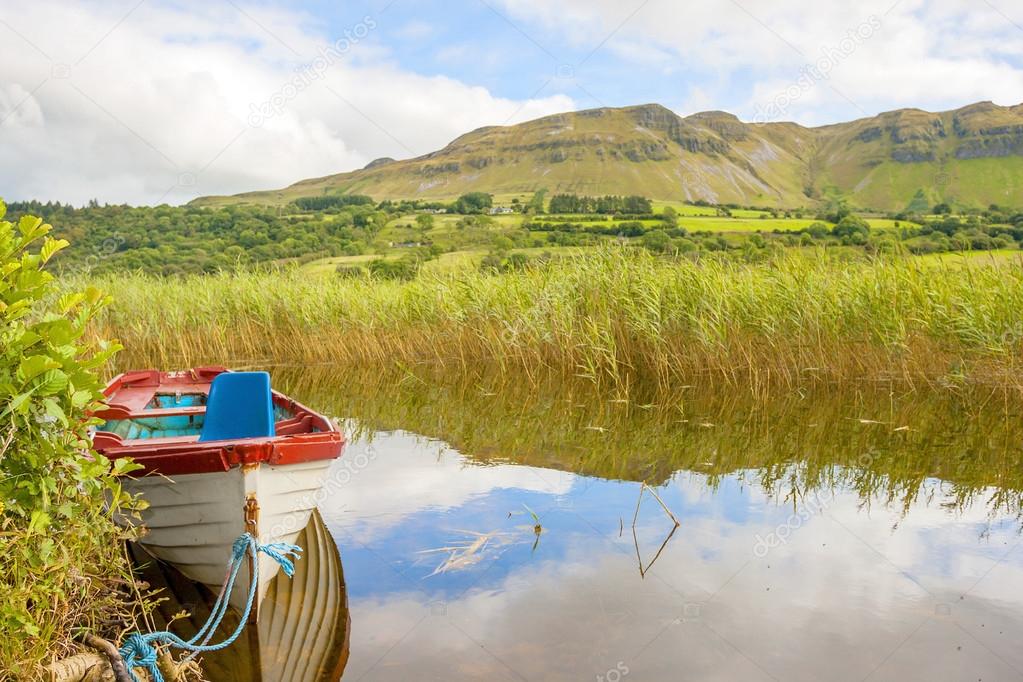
501, 210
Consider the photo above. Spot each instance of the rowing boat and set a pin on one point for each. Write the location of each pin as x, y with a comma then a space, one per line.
222, 454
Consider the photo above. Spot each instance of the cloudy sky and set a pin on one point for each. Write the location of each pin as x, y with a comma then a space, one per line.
150, 101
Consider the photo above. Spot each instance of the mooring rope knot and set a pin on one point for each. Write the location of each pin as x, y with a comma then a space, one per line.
139, 650
138, 653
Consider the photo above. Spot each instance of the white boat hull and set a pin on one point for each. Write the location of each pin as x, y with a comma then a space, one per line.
194, 519
303, 633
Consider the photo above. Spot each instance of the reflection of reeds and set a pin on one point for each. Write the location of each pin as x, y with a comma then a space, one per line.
885, 444
610, 315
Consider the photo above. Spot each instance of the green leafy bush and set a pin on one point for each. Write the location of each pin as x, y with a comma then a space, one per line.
59, 549
404, 269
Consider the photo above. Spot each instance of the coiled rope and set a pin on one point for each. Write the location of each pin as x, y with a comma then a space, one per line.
139, 650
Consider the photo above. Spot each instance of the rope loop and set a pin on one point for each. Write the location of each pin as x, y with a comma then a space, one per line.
139, 650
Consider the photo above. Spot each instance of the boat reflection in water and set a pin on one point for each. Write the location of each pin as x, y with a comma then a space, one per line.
304, 625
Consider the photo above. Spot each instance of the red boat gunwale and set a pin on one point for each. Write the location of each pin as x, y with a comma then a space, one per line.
306, 437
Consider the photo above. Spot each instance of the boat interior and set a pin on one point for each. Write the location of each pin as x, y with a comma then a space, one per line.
205, 404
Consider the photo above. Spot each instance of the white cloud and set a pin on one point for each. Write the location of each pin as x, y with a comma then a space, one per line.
925, 53
150, 102
415, 30
418, 474
127, 101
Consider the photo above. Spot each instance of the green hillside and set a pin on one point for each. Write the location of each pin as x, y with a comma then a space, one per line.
971, 158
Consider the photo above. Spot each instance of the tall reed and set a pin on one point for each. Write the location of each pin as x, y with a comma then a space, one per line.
609, 315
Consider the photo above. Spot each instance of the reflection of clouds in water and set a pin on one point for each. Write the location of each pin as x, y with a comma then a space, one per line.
850, 591
409, 474
570, 620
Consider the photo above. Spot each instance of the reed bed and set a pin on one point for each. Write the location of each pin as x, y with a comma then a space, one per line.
610, 315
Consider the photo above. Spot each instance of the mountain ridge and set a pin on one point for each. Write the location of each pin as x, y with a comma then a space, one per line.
970, 156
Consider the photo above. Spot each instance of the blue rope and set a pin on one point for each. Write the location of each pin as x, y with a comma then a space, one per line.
139, 651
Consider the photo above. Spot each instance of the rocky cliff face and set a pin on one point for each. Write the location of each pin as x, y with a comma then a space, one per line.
973, 154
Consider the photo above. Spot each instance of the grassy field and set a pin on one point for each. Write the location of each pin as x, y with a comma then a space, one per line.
974, 258
452, 260
745, 224
609, 314
470, 244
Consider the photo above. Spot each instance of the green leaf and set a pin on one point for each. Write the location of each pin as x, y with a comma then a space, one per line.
39, 522
50, 247
125, 466
53, 381
81, 398
33, 366
54, 410
46, 549
28, 224
69, 301
17, 403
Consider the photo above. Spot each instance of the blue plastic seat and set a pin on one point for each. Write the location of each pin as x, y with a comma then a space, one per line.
239, 406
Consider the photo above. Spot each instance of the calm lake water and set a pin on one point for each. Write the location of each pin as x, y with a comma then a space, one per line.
824, 535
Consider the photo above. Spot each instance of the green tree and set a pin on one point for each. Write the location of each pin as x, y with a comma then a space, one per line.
535, 205
657, 241
670, 216
424, 221
473, 203
852, 229
503, 245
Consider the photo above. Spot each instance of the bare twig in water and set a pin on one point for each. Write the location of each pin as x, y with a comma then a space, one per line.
663, 506
639, 501
635, 540
643, 487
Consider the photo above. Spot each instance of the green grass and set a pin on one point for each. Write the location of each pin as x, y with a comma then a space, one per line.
454, 259
745, 224
974, 258
968, 182
607, 314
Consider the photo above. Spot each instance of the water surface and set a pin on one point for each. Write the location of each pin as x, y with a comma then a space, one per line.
827, 535
519, 529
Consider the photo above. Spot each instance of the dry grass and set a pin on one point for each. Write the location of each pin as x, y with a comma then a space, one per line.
612, 315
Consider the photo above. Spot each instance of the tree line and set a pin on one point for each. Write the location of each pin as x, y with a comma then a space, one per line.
610, 204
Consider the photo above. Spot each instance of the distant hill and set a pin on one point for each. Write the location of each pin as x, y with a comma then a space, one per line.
970, 157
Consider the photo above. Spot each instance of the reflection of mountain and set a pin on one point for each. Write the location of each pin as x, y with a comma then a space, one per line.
304, 625
872, 440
